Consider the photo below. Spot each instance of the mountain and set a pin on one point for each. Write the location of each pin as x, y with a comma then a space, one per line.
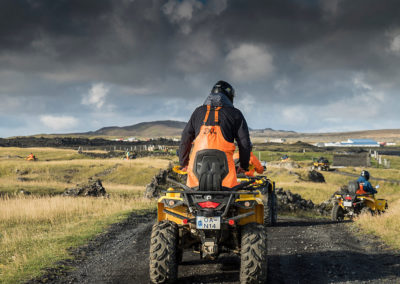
171, 128
162, 128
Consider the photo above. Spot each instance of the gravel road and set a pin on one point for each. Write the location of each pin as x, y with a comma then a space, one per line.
300, 251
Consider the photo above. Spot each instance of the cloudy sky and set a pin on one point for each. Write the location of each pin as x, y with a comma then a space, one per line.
310, 66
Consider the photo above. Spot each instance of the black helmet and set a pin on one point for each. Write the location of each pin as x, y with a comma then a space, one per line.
365, 174
224, 88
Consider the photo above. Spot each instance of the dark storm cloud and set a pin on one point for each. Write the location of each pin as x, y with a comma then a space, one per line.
280, 54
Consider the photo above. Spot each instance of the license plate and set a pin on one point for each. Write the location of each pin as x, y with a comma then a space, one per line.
347, 203
208, 223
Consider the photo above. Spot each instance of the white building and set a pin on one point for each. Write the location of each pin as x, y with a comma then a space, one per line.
351, 143
276, 140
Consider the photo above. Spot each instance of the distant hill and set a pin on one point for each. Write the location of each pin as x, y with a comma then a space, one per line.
171, 128
162, 128
269, 132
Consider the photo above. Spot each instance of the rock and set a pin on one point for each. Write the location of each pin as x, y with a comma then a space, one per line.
159, 182
315, 176
23, 179
92, 188
21, 172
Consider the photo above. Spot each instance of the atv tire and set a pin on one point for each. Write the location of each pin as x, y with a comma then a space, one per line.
164, 253
270, 210
337, 213
253, 257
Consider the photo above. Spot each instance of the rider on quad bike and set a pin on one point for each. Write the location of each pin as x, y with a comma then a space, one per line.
31, 157
358, 198
365, 186
213, 213
215, 125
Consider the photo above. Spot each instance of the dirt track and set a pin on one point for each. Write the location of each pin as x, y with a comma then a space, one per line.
300, 251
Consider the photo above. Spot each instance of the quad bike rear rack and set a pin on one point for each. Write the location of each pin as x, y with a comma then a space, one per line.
232, 192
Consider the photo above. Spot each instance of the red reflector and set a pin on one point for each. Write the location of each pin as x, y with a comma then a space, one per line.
208, 204
348, 198
185, 221
231, 222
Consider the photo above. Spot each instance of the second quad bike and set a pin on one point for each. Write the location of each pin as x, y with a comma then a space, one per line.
322, 164
353, 203
269, 199
210, 220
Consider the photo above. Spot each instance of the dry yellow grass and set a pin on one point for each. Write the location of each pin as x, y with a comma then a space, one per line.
386, 226
49, 177
35, 231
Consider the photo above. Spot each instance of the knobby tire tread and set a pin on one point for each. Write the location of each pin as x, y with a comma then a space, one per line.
253, 258
164, 253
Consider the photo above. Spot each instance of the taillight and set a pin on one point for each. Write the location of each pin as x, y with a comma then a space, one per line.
208, 204
348, 198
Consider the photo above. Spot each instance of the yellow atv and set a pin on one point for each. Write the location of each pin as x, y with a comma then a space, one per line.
352, 203
211, 220
322, 164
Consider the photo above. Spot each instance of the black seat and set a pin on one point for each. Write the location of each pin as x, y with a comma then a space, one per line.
210, 168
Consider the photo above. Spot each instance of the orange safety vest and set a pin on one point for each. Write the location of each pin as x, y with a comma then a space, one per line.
254, 164
210, 137
361, 189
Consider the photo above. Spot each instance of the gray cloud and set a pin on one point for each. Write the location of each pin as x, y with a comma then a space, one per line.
158, 59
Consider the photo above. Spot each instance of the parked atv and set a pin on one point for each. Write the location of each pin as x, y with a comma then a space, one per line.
211, 220
352, 204
31, 158
322, 164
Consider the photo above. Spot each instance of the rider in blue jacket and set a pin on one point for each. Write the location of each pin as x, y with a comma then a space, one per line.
367, 185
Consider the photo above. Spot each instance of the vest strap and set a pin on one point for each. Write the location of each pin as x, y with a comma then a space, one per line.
207, 114
216, 115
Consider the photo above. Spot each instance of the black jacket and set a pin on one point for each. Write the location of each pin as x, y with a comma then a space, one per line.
232, 123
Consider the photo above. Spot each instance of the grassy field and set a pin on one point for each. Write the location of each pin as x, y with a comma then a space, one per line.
36, 230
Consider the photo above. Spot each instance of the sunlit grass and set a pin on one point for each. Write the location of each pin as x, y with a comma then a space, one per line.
386, 226
36, 231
